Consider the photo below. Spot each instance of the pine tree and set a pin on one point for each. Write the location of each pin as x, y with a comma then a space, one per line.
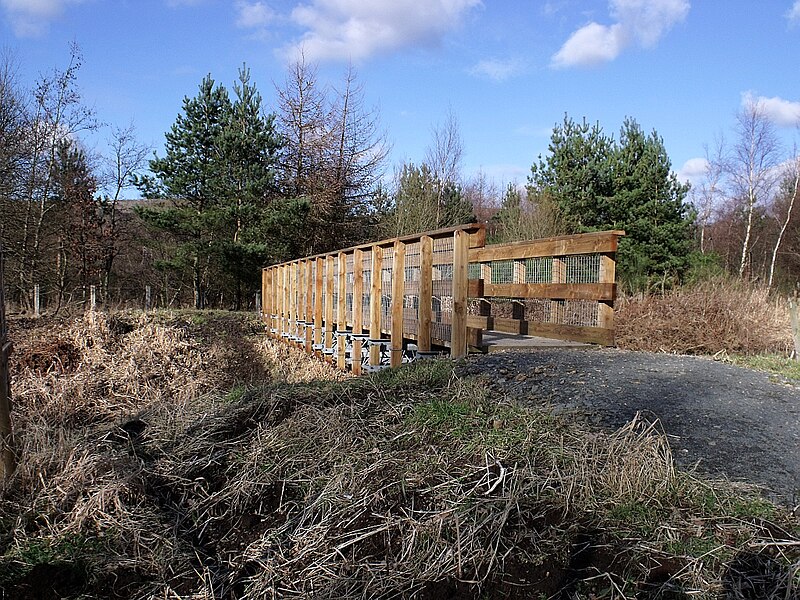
599, 184
191, 177
258, 221
649, 204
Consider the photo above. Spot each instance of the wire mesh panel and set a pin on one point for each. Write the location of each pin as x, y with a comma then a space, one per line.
582, 268
349, 288
411, 289
442, 309
539, 270
502, 271
335, 274
366, 276
386, 288
579, 312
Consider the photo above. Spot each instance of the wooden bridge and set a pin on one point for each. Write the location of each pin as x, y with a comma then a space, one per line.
435, 293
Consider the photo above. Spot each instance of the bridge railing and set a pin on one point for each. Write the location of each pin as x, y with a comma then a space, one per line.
561, 287
383, 303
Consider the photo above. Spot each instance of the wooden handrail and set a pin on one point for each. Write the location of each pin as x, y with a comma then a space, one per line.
417, 288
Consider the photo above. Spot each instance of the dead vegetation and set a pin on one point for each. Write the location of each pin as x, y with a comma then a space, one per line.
174, 475
717, 315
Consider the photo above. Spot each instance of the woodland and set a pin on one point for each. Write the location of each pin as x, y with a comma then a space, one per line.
245, 182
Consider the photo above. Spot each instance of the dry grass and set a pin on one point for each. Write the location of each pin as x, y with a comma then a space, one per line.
411, 483
714, 316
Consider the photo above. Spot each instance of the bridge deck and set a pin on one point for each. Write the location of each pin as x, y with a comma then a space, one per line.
495, 341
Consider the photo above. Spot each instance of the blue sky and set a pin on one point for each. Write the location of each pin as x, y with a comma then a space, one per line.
507, 70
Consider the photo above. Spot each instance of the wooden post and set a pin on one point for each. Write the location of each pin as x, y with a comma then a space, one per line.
291, 329
92, 298
605, 309
330, 277
557, 306
147, 298
358, 308
36, 301
793, 314
318, 306
258, 303
341, 313
282, 295
309, 316
485, 306
458, 332
7, 456
300, 312
425, 314
375, 304
398, 290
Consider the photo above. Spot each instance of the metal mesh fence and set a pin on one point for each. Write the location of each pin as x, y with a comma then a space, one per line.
582, 268
442, 303
539, 270
366, 275
386, 288
411, 288
349, 288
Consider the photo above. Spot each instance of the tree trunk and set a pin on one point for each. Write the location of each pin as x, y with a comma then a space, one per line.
783, 230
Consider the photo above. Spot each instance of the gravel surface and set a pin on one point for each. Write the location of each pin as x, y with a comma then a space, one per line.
725, 420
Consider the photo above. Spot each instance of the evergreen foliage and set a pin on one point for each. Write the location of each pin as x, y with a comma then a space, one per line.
220, 176
599, 183
423, 203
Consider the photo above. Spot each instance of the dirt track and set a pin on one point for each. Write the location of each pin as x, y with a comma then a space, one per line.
726, 420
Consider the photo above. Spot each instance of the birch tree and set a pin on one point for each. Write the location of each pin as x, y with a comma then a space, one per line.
751, 168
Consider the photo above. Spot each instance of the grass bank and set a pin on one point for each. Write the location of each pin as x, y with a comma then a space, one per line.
185, 456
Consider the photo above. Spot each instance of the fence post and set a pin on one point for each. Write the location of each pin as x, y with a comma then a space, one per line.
7, 457
341, 312
147, 298
605, 310
398, 291
425, 314
458, 331
36, 301
329, 280
375, 304
795, 325
358, 308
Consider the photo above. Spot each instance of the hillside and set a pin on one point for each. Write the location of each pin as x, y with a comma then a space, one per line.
183, 455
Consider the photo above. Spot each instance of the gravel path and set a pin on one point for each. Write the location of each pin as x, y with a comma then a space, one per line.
729, 421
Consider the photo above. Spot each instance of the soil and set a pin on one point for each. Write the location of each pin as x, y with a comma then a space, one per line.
726, 421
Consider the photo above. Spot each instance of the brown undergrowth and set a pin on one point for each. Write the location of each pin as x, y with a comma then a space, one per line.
208, 478
713, 316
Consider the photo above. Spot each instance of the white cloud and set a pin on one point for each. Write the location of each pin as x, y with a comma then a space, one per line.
496, 69
793, 14
785, 113
253, 15
356, 30
31, 18
693, 170
642, 22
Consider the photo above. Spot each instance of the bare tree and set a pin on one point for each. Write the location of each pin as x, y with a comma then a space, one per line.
303, 120
445, 156
59, 114
791, 183
126, 160
334, 154
706, 195
751, 167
